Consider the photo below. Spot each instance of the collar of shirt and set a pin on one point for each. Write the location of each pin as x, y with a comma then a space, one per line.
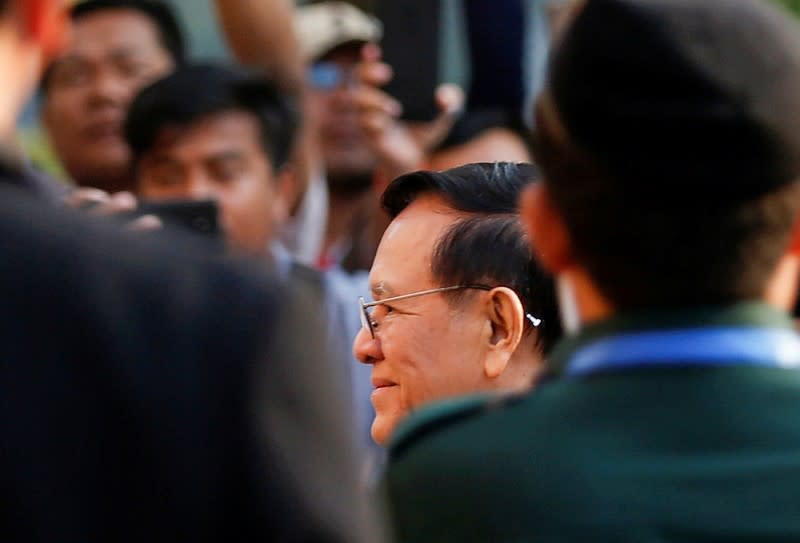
746, 314
281, 260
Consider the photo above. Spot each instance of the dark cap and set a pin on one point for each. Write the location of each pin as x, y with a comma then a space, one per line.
702, 95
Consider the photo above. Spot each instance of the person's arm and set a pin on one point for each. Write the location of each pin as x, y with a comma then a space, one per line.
261, 34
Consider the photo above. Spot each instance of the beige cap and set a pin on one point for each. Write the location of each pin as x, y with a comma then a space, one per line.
322, 27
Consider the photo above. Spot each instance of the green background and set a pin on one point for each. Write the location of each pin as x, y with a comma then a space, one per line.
793, 5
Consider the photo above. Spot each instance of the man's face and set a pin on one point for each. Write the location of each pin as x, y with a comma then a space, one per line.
348, 158
113, 54
219, 157
425, 349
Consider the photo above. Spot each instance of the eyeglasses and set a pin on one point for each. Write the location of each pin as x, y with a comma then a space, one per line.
368, 323
329, 76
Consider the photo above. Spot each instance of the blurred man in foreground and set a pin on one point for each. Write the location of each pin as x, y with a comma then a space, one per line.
668, 213
130, 377
460, 307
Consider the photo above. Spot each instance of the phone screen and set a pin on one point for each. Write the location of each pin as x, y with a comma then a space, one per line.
197, 216
410, 27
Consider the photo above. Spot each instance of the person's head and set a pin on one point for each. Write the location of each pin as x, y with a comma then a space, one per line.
32, 32
332, 35
457, 228
117, 47
670, 169
214, 132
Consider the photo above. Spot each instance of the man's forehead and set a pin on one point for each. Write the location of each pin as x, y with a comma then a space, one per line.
116, 29
404, 254
348, 53
219, 133
431, 208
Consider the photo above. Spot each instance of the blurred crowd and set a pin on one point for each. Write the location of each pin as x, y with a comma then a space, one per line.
317, 292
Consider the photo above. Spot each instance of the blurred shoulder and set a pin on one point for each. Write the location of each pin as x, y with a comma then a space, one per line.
74, 264
446, 420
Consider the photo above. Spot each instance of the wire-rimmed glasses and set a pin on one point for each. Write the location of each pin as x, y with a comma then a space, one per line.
369, 324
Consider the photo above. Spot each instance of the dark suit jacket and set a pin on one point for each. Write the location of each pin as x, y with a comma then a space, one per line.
151, 392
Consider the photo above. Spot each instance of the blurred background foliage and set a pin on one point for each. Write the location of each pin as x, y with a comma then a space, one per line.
791, 5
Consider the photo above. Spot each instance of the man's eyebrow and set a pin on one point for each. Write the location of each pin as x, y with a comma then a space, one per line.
159, 158
381, 289
67, 60
226, 154
119, 52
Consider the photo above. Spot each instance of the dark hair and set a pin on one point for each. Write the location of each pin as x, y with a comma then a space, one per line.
488, 246
196, 91
674, 164
650, 250
484, 188
494, 250
161, 14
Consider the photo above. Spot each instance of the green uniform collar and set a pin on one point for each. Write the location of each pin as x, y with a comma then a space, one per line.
756, 314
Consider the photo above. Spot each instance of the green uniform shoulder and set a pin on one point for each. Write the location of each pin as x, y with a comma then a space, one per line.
442, 415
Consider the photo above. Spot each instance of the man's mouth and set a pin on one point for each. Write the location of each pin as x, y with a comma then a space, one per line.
103, 131
382, 383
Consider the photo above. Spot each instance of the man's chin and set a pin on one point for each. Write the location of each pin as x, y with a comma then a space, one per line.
384, 425
380, 433
112, 174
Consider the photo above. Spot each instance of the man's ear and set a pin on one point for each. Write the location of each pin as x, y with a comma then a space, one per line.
506, 319
285, 193
45, 22
546, 230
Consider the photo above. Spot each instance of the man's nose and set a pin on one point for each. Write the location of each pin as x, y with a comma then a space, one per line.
109, 89
344, 97
367, 349
200, 187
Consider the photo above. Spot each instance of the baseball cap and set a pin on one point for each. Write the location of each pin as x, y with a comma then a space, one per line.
325, 26
702, 95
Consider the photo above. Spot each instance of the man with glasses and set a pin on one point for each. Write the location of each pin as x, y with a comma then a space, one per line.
117, 48
332, 35
459, 305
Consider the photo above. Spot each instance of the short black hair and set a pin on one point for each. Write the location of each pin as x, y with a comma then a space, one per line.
495, 250
195, 91
489, 245
484, 188
162, 15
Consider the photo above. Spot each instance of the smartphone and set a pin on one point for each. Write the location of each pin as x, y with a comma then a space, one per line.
410, 27
197, 216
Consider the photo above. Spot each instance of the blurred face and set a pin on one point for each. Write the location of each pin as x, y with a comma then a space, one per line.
425, 349
348, 159
219, 157
113, 54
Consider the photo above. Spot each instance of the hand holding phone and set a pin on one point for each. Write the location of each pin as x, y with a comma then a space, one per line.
196, 216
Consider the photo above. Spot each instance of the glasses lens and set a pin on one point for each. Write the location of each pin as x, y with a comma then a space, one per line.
325, 76
365, 319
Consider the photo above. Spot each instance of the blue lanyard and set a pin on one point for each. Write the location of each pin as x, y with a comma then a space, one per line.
748, 346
